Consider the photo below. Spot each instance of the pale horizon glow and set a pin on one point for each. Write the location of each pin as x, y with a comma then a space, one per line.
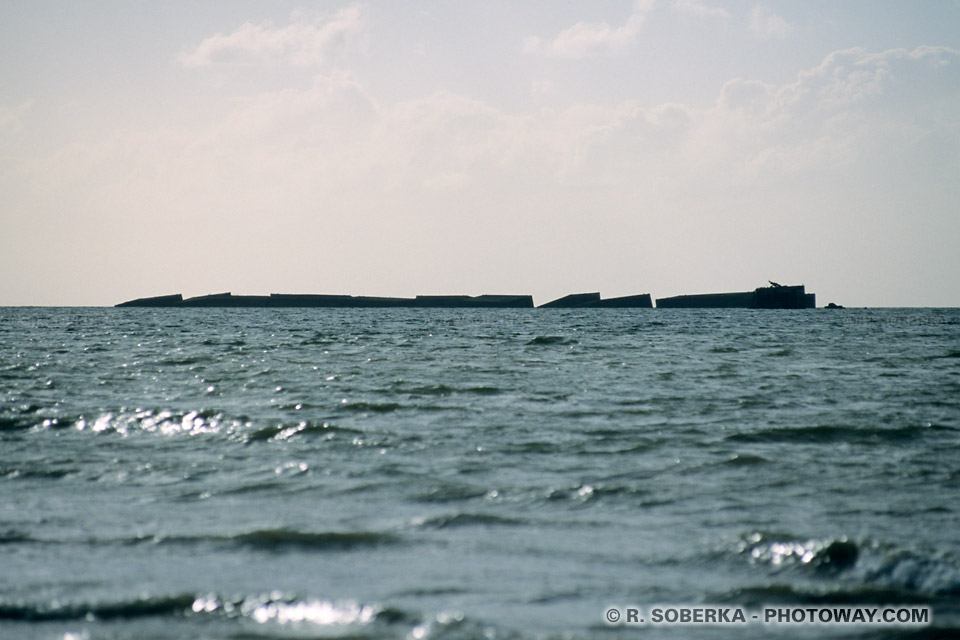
545, 148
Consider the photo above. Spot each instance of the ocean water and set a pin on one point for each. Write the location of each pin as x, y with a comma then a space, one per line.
413, 473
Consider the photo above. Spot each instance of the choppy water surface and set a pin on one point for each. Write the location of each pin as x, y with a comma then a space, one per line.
374, 473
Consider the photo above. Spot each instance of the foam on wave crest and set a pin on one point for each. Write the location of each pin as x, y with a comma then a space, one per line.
858, 563
275, 612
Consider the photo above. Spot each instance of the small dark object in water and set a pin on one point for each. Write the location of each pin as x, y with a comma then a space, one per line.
833, 305
838, 556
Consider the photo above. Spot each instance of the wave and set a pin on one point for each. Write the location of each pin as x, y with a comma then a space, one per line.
537, 446
822, 555
469, 520
282, 540
208, 422
549, 340
329, 618
636, 495
372, 407
831, 433
744, 460
319, 338
428, 390
285, 431
482, 390
948, 355
779, 353
13, 536
637, 447
856, 564
38, 471
164, 422
785, 594
16, 422
270, 608
149, 606
451, 493
279, 539
442, 390
26, 416
184, 361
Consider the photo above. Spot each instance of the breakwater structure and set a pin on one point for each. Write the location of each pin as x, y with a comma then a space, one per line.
594, 301
776, 296
281, 300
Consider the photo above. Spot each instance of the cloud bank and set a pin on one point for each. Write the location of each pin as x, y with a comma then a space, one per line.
591, 39
764, 23
699, 9
305, 42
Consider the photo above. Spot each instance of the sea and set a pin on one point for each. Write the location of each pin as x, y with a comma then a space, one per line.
478, 473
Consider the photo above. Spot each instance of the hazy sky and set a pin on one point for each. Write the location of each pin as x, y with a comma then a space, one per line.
548, 147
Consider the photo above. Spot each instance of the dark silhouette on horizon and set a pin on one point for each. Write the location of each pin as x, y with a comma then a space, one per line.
776, 296
594, 301
281, 300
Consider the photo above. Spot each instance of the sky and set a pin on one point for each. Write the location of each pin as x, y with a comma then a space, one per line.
433, 147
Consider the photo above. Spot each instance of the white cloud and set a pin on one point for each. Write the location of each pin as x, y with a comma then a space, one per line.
855, 109
334, 135
291, 115
335, 128
587, 39
306, 41
896, 78
764, 23
699, 9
